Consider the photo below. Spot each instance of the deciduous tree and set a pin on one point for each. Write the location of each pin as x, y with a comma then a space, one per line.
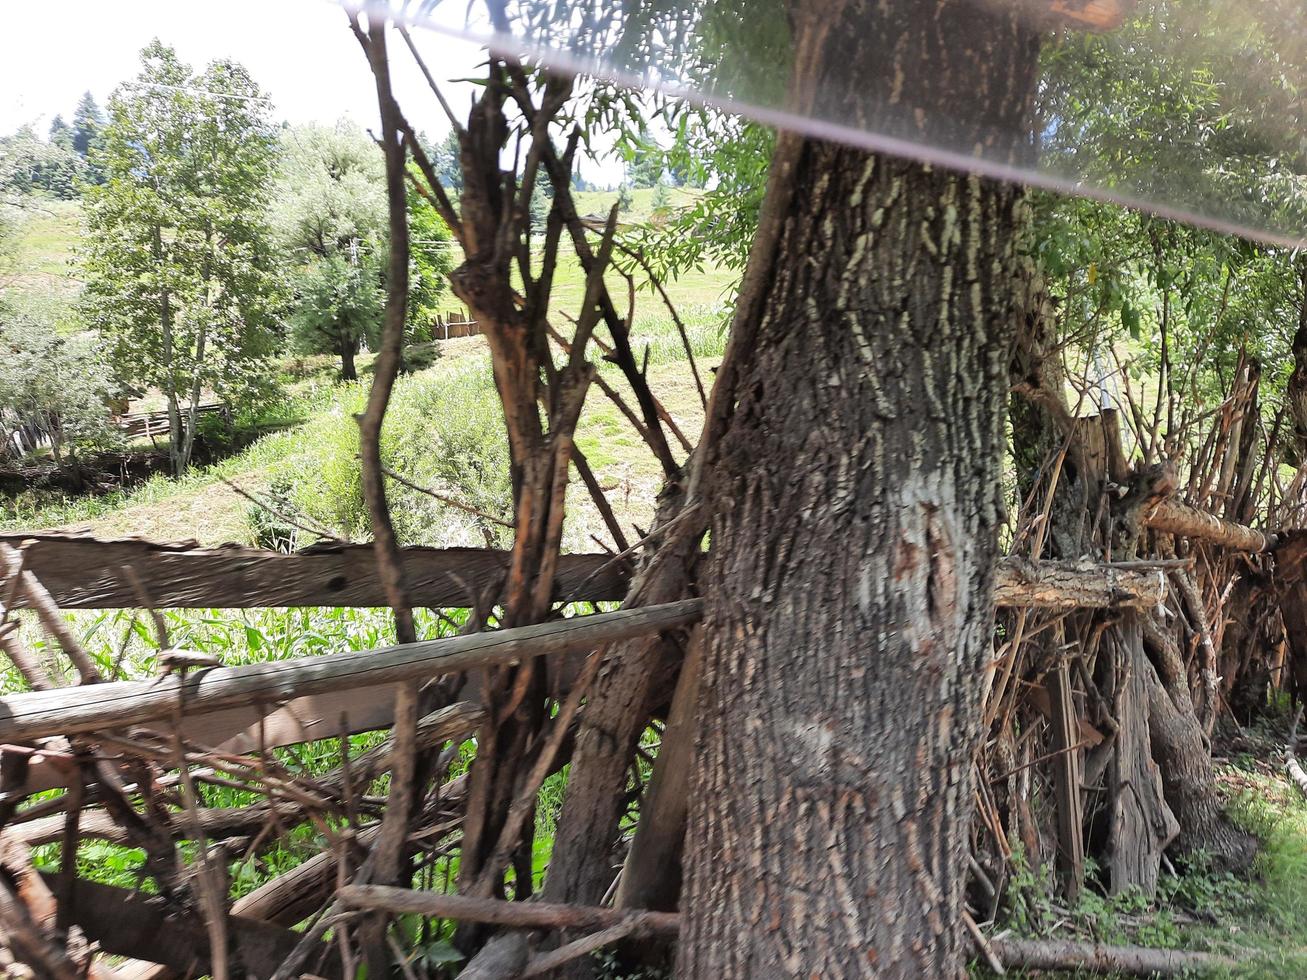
178, 259
330, 219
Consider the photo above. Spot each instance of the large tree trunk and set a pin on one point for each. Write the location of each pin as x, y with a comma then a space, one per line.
849, 607
347, 370
1185, 763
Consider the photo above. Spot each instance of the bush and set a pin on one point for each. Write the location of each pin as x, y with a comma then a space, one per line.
327, 477
54, 384
438, 433
419, 357
268, 528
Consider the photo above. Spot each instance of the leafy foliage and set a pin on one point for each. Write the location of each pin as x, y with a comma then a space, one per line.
445, 157
430, 261
339, 301
88, 122
1183, 106
30, 165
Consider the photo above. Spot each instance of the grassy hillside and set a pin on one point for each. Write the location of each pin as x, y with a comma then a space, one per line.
311, 469
43, 250
444, 430
642, 198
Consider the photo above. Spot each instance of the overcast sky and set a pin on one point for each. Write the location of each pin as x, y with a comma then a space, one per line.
301, 52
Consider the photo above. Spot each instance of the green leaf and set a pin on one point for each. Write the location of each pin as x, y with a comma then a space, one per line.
1130, 320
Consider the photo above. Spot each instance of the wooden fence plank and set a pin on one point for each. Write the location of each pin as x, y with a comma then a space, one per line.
83, 572
72, 710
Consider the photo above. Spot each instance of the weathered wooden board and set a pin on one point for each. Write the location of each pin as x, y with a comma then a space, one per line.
71, 710
83, 572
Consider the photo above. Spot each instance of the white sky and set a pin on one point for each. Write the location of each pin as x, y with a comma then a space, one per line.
301, 52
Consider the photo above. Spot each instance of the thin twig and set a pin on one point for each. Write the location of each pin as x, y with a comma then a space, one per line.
635, 923
982, 944
638, 256
426, 73
52, 618
211, 896
600, 499
387, 860
445, 499
283, 516
653, 535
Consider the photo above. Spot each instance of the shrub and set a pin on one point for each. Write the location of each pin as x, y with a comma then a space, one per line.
53, 384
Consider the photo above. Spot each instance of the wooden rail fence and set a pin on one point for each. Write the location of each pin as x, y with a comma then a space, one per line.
140, 425
83, 572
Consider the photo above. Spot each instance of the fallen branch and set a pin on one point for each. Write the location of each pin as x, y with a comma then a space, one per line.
218, 823
493, 911
635, 925
1060, 954
1176, 517
1021, 583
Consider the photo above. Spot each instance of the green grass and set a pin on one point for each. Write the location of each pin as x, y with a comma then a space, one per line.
124, 645
642, 201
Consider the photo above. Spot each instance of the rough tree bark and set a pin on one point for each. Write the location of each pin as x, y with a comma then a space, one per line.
854, 534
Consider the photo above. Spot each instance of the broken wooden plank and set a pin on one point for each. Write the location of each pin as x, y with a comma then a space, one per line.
40, 714
82, 572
